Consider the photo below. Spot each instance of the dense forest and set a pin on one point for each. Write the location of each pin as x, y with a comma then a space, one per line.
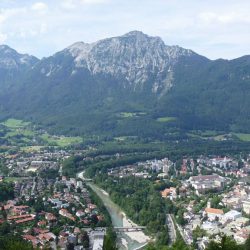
140, 201
6, 191
8, 241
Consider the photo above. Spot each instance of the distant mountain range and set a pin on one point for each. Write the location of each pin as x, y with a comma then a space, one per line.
127, 85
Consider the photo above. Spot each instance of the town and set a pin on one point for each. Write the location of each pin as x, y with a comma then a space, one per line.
214, 194
50, 206
47, 208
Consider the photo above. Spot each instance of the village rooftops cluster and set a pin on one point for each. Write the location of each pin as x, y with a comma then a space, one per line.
143, 169
204, 183
68, 208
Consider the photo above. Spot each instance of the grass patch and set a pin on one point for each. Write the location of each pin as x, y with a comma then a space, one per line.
207, 135
195, 136
166, 119
20, 132
12, 179
61, 141
14, 123
243, 137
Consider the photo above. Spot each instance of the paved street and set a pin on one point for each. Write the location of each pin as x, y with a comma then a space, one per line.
171, 229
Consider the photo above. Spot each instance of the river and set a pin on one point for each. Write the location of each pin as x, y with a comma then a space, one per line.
128, 240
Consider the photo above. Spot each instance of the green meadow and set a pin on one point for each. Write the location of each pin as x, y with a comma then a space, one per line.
166, 119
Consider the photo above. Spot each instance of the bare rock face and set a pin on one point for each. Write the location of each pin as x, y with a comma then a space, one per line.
10, 59
135, 57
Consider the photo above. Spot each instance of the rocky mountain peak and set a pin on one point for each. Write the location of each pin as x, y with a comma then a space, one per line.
11, 59
135, 60
134, 57
139, 36
135, 33
6, 49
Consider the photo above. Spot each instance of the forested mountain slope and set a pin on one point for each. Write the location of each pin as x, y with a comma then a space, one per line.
123, 85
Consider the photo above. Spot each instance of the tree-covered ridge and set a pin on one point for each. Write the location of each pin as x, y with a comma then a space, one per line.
130, 85
210, 95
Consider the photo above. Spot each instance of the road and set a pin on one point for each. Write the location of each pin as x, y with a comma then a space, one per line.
180, 229
33, 187
171, 229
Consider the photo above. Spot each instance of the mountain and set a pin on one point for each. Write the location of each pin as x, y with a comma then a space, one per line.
12, 63
211, 95
122, 85
135, 58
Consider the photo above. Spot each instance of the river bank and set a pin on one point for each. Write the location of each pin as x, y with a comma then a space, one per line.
140, 237
126, 240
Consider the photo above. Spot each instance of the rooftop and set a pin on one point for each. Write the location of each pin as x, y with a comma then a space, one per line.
213, 211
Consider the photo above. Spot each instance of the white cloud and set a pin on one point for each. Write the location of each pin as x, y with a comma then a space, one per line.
7, 13
39, 6
3, 37
2, 18
43, 28
72, 4
93, 1
68, 4
204, 26
225, 18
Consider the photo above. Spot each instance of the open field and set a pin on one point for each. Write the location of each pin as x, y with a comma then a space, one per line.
166, 119
206, 136
14, 123
209, 134
61, 141
13, 179
18, 132
243, 137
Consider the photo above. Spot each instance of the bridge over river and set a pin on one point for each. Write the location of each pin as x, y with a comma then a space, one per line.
129, 235
129, 229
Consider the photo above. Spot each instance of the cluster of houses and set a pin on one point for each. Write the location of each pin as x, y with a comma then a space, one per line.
69, 199
143, 169
225, 166
232, 221
72, 200
31, 187
68, 205
159, 166
215, 222
238, 198
201, 184
21, 164
205, 183
221, 162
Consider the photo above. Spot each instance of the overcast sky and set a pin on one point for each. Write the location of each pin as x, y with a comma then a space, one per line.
214, 28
